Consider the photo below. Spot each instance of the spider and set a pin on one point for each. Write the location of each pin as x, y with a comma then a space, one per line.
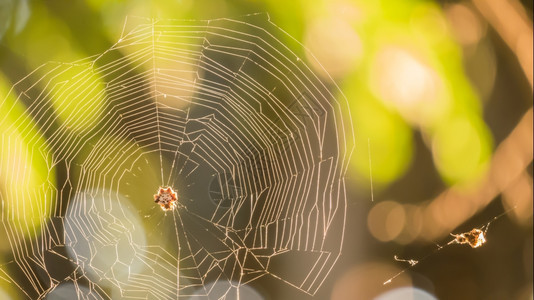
475, 238
166, 198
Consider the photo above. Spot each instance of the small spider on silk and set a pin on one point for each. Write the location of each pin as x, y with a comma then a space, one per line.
474, 238
166, 198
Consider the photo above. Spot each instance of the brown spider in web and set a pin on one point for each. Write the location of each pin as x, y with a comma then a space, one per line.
166, 198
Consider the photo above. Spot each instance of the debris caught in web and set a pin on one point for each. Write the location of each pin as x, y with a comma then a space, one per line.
475, 238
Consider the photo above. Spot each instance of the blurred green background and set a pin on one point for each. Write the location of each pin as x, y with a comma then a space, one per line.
434, 88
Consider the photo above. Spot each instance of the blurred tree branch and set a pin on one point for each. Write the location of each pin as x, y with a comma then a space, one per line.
455, 205
510, 20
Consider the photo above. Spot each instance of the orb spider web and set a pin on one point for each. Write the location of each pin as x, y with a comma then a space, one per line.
225, 112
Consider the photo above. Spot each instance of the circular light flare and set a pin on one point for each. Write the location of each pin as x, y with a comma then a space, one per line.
386, 220
226, 290
113, 210
414, 224
406, 293
402, 81
465, 24
428, 22
4, 294
461, 150
335, 44
69, 290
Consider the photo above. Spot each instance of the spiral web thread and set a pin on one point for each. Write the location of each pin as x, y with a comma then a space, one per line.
224, 112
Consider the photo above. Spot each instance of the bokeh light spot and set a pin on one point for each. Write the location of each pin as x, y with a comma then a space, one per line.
335, 44
461, 150
403, 81
406, 293
386, 220
466, 26
384, 133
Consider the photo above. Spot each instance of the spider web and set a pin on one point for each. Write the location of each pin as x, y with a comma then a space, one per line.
224, 112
